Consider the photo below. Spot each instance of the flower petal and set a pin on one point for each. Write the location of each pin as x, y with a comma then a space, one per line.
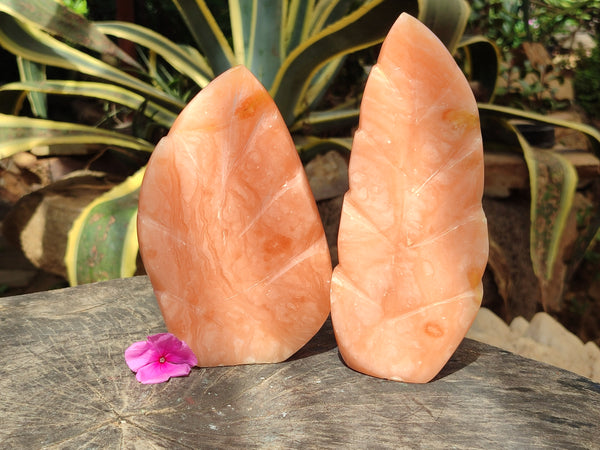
140, 354
173, 349
161, 372
163, 340
183, 355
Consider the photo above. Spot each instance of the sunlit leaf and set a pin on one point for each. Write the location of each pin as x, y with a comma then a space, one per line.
553, 182
366, 26
207, 34
104, 91
35, 45
19, 134
180, 58
447, 19
102, 242
58, 20
503, 112
35, 73
320, 121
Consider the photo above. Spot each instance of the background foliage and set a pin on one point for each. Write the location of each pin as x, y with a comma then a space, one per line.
323, 49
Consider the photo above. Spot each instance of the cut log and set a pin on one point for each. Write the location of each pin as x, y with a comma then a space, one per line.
39, 222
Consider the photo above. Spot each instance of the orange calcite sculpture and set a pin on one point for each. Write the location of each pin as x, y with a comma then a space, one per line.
413, 240
229, 231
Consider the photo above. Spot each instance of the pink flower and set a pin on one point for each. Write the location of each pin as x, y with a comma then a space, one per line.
159, 358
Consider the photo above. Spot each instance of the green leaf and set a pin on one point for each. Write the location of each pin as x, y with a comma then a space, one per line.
193, 66
240, 16
318, 85
446, 18
297, 23
56, 19
487, 110
102, 242
327, 12
104, 91
207, 34
19, 134
257, 27
265, 49
366, 26
309, 146
36, 45
553, 182
318, 122
36, 73
482, 64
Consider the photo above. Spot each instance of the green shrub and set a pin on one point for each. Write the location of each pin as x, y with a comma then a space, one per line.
587, 82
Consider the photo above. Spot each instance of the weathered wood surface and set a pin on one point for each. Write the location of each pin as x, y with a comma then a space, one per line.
64, 384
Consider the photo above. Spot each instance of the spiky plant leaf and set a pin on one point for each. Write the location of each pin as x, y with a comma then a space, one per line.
19, 134
102, 243
35, 73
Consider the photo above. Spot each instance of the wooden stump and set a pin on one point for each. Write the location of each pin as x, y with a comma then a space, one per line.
65, 384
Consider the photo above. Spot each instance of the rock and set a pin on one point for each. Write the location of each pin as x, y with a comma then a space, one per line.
593, 354
490, 329
327, 175
592, 351
546, 330
519, 326
595, 371
571, 353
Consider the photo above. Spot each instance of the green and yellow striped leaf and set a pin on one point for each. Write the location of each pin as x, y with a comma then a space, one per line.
35, 45
553, 182
447, 19
319, 84
502, 112
297, 24
191, 65
102, 242
366, 26
309, 146
35, 73
207, 34
327, 12
19, 134
318, 122
104, 91
481, 64
257, 27
55, 18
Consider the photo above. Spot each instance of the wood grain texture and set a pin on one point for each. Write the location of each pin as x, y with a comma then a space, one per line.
64, 384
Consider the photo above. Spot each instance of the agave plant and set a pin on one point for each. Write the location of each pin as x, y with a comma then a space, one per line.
553, 185
294, 47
